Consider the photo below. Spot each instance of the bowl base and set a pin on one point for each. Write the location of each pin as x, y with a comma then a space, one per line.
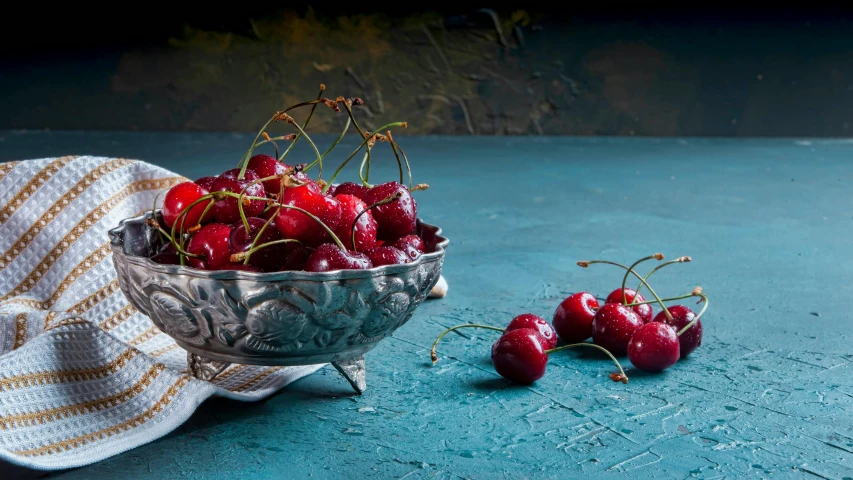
206, 369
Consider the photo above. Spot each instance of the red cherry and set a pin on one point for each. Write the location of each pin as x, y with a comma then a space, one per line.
519, 355
226, 210
206, 182
330, 257
643, 311
534, 322
211, 243
294, 257
411, 245
692, 338
654, 347
295, 224
178, 198
396, 219
573, 317
613, 326
167, 255
349, 188
387, 255
268, 258
365, 229
267, 166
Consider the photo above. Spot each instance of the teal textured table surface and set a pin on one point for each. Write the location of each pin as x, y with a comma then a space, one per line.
769, 224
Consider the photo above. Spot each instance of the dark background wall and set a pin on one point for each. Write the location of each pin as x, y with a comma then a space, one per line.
527, 70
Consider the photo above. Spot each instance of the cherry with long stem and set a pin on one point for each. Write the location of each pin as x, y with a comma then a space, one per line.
684, 259
390, 198
244, 160
587, 263
616, 377
697, 293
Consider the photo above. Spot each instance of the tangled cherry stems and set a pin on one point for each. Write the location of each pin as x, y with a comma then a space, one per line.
587, 263
683, 259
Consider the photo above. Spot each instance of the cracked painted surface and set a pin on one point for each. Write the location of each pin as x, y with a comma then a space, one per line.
768, 223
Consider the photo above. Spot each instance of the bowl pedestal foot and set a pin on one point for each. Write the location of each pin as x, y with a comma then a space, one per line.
204, 368
353, 371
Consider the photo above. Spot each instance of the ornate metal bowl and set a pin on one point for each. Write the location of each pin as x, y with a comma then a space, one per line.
279, 318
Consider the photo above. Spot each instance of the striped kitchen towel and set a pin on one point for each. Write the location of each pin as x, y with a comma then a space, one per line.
83, 375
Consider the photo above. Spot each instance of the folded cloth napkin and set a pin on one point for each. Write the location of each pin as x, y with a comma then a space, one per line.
83, 375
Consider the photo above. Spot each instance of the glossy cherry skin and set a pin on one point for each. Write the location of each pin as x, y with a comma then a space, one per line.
267, 259
211, 243
227, 210
519, 356
328, 257
654, 347
534, 322
267, 166
206, 182
387, 255
613, 326
411, 245
295, 224
178, 198
294, 257
395, 219
349, 188
167, 255
681, 316
573, 317
643, 311
365, 230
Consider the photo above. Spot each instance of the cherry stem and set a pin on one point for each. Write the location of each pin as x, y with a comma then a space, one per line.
677, 260
304, 125
322, 224
623, 378
258, 236
244, 161
365, 160
177, 248
348, 106
434, 356
656, 256
338, 140
390, 198
351, 155
183, 215
244, 256
608, 262
671, 299
698, 316
396, 147
316, 151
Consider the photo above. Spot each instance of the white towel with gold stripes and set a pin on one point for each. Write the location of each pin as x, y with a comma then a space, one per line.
83, 375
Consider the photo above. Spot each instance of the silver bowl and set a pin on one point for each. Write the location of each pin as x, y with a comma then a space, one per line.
279, 318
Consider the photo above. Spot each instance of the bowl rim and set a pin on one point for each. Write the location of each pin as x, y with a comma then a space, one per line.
117, 246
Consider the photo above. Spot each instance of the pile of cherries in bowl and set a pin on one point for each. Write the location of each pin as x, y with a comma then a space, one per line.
266, 215
625, 324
